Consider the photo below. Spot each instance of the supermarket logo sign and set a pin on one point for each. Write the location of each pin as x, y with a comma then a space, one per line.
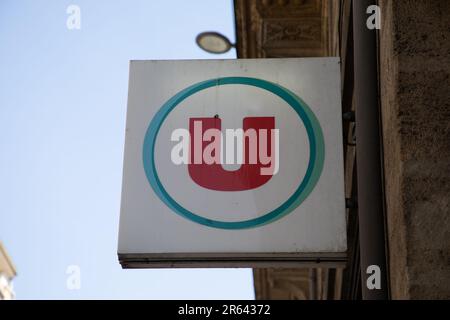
205, 148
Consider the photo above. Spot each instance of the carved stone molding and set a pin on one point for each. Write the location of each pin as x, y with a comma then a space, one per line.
281, 284
285, 28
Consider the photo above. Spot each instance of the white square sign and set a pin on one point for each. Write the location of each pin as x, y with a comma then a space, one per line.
233, 163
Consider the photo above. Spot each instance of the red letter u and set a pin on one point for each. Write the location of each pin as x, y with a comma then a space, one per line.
214, 176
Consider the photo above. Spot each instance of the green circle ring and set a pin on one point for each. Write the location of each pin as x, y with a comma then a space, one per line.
312, 175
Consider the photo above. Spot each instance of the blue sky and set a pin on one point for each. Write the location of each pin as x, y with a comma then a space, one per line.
62, 122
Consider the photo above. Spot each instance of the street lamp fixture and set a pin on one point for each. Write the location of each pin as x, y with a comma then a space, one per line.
214, 42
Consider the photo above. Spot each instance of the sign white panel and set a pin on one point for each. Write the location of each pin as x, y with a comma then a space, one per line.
233, 163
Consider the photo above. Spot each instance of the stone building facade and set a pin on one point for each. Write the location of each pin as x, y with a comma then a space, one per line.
414, 88
7, 273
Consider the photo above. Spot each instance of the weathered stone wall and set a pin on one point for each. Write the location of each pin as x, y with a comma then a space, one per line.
415, 90
415, 97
